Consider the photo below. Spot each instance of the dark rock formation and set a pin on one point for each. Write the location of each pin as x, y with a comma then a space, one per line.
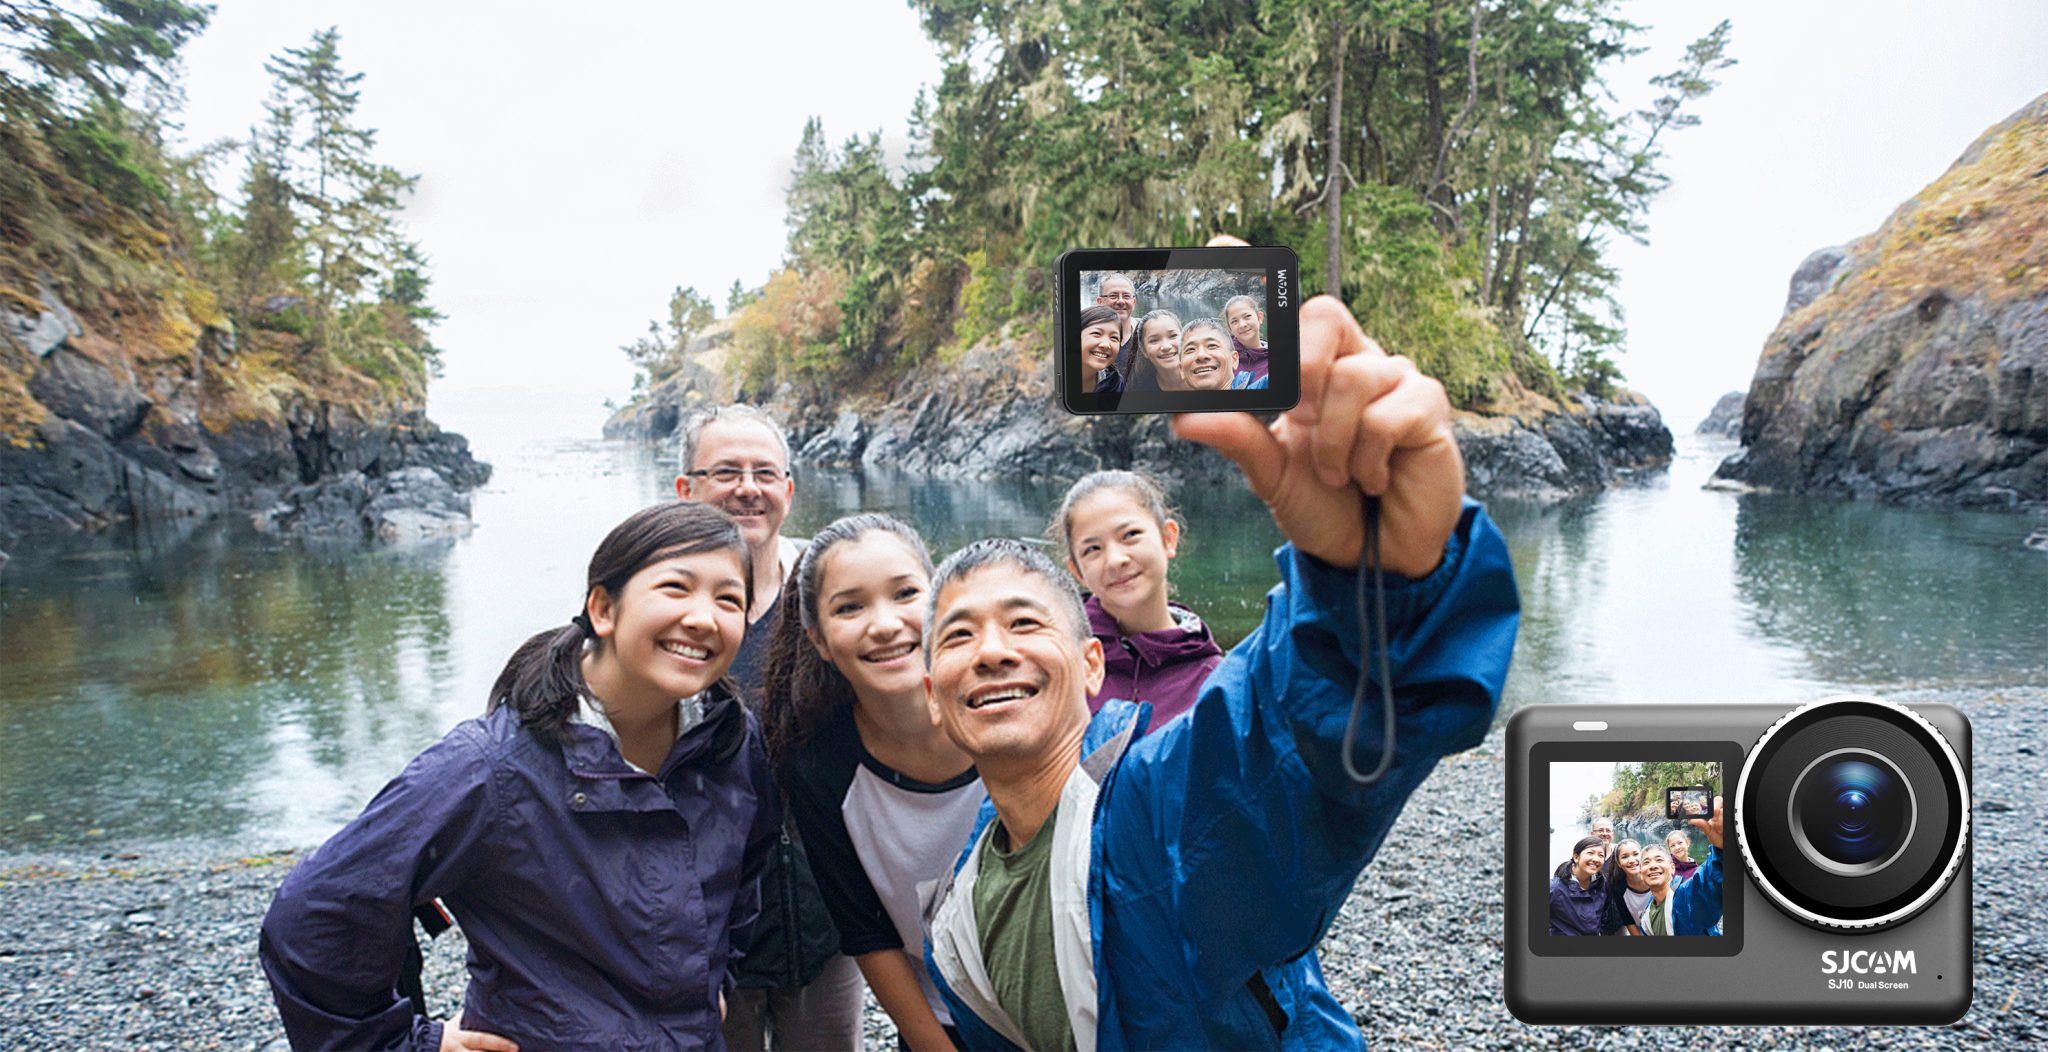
117, 437
993, 414
1912, 364
1726, 416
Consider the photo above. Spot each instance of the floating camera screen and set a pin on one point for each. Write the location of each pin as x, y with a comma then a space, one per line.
1179, 330
1623, 862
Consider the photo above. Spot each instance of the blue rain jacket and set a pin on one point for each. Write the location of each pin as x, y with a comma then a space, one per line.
1223, 844
603, 906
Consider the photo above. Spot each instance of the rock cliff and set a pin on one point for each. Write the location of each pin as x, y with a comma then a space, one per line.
149, 410
1911, 365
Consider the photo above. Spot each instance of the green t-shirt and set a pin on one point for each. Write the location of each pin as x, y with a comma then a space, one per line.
1013, 917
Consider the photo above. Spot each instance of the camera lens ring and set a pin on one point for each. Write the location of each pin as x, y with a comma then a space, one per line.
1948, 855
1796, 821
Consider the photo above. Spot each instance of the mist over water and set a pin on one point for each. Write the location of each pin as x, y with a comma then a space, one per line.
211, 682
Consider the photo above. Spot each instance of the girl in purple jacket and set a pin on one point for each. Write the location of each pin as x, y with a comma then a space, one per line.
1118, 538
598, 833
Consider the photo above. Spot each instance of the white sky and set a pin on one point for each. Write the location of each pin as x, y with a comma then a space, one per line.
579, 162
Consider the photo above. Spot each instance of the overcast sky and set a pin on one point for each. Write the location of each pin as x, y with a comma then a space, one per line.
577, 162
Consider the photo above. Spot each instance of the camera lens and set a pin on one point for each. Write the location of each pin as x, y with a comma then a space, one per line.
1852, 813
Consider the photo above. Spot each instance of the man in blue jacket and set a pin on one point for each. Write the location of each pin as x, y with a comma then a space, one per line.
1168, 891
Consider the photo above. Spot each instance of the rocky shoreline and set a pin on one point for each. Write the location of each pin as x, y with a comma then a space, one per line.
153, 946
109, 432
994, 413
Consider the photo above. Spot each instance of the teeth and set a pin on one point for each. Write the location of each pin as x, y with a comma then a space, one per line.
892, 653
1001, 695
686, 650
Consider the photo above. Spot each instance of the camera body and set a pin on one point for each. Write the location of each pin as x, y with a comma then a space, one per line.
1844, 871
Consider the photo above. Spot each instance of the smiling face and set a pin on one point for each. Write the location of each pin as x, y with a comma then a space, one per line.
1207, 361
1009, 679
1162, 347
1679, 845
671, 631
1586, 865
1655, 868
1120, 552
1630, 857
1243, 319
1099, 344
1603, 829
870, 614
1119, 295
757, 507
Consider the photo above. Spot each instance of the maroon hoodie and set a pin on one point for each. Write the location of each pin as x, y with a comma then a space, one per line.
1165, 668
1251, 360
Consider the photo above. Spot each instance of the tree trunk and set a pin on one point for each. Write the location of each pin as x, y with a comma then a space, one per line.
1333, 183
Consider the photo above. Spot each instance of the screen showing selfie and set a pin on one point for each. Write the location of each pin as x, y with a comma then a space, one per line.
1175, 330
1623, 848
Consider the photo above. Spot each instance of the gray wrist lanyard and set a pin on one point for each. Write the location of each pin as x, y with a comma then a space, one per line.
1375, 644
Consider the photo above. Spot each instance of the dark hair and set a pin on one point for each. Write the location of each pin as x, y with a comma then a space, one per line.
1024, 557
1564, 869
1135, 484
1612, 865
1144, 372
543, 681
1096, 315
800, 689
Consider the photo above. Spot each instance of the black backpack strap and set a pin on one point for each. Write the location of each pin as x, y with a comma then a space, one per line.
435, 919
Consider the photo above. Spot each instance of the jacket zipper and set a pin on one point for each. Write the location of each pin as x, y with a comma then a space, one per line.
792, 966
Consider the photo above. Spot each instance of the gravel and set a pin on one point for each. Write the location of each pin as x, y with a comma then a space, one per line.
153, 946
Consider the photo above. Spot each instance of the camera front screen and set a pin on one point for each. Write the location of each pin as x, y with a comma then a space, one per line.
1621, 858
1179, 330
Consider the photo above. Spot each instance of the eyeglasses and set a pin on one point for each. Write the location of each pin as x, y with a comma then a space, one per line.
731, 476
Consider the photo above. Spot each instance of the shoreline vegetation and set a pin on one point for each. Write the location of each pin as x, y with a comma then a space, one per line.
145, 945
172, 347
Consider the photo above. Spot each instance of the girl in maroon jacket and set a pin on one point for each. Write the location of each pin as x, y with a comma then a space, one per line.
1118, 538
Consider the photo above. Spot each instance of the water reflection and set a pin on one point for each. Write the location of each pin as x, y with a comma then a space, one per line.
217, 683
1877, 594
147, 682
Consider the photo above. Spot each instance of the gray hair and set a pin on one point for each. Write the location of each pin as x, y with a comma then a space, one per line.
999, 551
1653, 849
1204, 323
692, 431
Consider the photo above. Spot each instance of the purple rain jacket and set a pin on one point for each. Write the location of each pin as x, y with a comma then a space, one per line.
604, 907
1166, 668
1253, 360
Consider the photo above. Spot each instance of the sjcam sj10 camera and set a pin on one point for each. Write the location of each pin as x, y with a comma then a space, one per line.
1838, 891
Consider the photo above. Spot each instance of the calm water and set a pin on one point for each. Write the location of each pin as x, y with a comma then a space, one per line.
213, 683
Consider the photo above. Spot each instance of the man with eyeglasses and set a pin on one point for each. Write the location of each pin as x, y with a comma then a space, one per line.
1120, 294
796, 991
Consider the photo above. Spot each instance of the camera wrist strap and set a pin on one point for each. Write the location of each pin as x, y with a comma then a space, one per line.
1374, 643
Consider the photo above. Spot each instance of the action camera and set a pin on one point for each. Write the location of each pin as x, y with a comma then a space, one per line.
1178, 330
1838, 891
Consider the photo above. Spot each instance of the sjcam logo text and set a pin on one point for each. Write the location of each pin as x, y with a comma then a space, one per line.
1869, 962
1282, 290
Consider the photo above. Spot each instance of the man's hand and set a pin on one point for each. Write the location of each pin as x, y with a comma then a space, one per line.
456, 1039
1710, 826
1366, 421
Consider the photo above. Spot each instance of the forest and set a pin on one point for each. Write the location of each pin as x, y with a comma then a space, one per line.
1454, 170
299, 276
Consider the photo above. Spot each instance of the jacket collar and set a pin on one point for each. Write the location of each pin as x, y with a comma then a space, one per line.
1189, 638
604, 781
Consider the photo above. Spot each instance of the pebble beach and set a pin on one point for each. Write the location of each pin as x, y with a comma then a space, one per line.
153, 946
